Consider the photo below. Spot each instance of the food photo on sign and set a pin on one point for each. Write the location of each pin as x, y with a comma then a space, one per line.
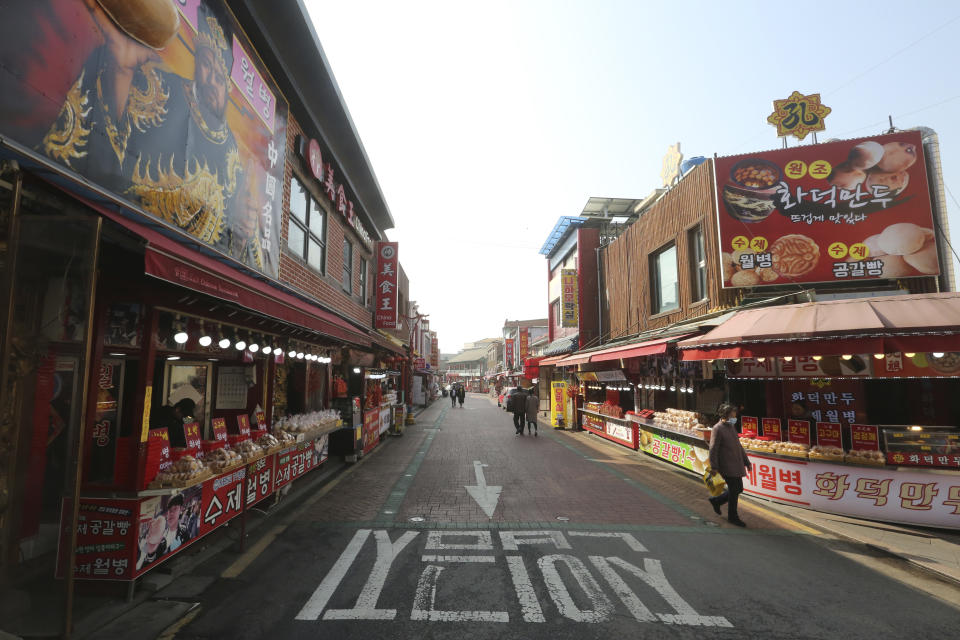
835, 212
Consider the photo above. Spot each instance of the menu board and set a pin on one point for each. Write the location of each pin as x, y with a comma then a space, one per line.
748, 424
828, 434
771, 427
219, 429
864, 437
798, 431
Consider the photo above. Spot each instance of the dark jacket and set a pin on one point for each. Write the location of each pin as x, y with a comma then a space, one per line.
726, 453
516, 402
533, 407
461, 393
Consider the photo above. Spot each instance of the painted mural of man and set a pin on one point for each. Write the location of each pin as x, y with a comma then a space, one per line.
160, 139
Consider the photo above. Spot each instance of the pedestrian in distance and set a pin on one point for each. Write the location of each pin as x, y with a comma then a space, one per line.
453, 397
461, 394
728, 458
533, 407
516, 404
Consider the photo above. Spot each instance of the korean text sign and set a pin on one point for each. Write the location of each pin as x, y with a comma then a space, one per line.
196, 138
388, 266
508, 353
836, 212
524, 342
569, 300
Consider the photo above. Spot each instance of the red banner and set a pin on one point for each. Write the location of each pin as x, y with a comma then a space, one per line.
259, 481
105, 548
243, 425
918, 365
508, 354
388, 267
836, 212
864, 437
771, 427
799, 431
191, 433
524, 342
219, 429
434, 351
749, 424
371, 429
828, 434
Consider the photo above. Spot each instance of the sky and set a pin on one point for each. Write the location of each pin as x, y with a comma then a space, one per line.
486, 121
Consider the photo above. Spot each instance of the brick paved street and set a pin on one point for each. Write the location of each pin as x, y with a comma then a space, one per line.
586, 540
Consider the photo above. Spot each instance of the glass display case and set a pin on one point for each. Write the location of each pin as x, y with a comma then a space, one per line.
922, 446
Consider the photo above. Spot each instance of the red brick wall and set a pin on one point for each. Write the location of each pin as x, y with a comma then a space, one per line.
326, 289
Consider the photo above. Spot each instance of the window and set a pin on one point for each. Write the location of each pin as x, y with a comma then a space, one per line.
555, 310
305, 236
698, 264
665, 286
347, 266
363, 281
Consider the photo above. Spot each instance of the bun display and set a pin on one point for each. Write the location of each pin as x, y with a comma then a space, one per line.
151, 22
222, 460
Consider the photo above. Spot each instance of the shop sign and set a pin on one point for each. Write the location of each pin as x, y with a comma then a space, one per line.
261, 418
371, 429
419, 363
593, 423
771, 427
837, 212
388, 268
620, 433
827, 400
858, 365
385, 414
748, 424
158, 452
828, 434
524, 342
191, 433
558, 400
681, 454
918, 365
864, 437
799, 115
211, 164
884, 494
613, 375
798, 431
259, 481
105, 543
243, 425
434, 350
569, 300
508, 353
295, 461
219, 429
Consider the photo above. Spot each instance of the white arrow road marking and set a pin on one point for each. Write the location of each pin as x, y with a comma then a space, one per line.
486, 496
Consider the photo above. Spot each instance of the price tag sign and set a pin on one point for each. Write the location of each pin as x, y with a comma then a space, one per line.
828, 434
771, 427
243, 423
799, 431
749, 424
864, 437
261, 420
219, 429
159, 449
191, 432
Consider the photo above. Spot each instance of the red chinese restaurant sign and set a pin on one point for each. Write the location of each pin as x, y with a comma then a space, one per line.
850, 210
388, 266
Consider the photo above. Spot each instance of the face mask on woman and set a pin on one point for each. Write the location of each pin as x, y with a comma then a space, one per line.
732, 420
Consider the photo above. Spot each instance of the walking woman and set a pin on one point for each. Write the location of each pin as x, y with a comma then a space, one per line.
461, 394
532, 407
453, 397
729, 459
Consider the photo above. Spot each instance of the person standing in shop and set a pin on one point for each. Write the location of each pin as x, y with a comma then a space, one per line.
728, 458
532, 407
461, 394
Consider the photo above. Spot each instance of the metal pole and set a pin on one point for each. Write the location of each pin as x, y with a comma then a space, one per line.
78, 450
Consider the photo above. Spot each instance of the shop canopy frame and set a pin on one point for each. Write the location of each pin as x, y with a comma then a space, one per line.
901, 323
649, 347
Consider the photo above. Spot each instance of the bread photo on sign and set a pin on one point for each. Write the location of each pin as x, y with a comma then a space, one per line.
150, 22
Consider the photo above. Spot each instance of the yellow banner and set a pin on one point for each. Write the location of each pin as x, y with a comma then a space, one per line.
558, 403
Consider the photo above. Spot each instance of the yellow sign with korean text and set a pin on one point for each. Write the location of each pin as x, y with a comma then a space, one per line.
558, 403
569, 300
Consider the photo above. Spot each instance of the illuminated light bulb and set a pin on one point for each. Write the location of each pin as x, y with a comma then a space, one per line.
299, 355
180, 337
878, 356
788, 358
267, 351
292, 353
241, 345
736, 359
818, 358
205, 341
761, 359
910, 355
173, 357
846, 356
937, 354
224, 343
254, 348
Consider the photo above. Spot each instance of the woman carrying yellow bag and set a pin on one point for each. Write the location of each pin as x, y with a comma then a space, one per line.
714, 482
728, 457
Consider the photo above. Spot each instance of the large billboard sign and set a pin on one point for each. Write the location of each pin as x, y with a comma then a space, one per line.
836, 212
165, 104
569, 300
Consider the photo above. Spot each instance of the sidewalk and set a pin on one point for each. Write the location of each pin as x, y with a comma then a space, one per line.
934, 550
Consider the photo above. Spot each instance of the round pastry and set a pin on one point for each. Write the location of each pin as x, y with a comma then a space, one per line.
895, 181
767, 274
897, 156
794, 255
873, 244
845, 176
948, 364
745, 279
895, 267
151, 22
729, 264
865, 155
902, 238
924, 260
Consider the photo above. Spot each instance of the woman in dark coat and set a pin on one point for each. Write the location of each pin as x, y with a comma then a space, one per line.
728, 458
461, 394
532, 407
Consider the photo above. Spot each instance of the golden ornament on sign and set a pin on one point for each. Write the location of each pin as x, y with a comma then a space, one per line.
670, 172
798, 115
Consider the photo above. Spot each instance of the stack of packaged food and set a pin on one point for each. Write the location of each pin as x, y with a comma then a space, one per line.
223, 460
185, 472
866, 457
679, 421
830, 454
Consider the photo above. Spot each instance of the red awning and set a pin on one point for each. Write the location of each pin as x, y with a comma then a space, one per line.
169, 260
908, 323
648, 348
574, 359
381, 341
552, 360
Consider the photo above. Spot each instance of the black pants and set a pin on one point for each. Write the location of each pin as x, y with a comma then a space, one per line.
531, 426
460, 400
453, 400
731, 495
518, 421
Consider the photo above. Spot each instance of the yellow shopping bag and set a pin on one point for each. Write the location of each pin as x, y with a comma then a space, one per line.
715, 483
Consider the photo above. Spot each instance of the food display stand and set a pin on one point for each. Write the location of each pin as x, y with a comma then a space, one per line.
623, 431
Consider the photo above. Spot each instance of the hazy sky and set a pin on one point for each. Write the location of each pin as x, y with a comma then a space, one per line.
487, 121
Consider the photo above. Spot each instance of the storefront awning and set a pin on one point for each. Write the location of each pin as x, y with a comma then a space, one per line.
907, 323
648, 348
573, 360
388, 342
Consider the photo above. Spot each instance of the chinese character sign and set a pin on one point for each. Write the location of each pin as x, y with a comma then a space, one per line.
569, 300
799, 115
524, 343
386, 315
190, 130
434, 350
836, 212
508, 354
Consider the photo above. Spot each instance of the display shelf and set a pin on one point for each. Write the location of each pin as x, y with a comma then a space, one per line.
605, 416
684, 437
